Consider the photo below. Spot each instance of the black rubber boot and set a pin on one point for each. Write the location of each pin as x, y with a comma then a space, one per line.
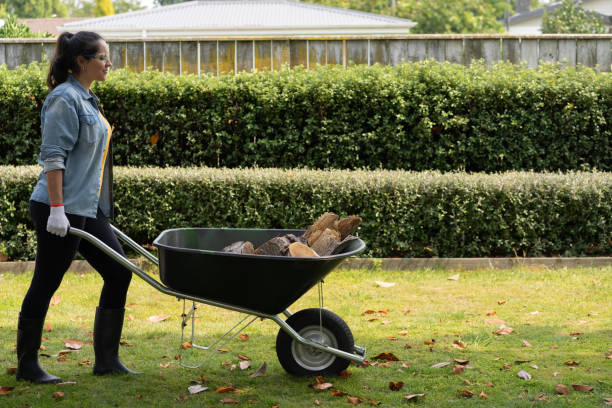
107, 334
29, 332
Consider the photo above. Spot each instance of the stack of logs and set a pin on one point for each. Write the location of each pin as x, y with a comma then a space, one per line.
327, 236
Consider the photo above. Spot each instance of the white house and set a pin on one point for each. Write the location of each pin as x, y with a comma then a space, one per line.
241, 18
527, 21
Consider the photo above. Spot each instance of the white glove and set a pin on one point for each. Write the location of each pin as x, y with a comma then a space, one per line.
58, 223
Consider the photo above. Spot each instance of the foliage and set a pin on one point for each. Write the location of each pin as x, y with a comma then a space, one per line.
168, 2
405, 214
14, 29
572, 18
124, 6
416, 116
35, 8
459, 16
104, 8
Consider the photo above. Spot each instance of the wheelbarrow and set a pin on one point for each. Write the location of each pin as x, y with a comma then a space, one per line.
193, 267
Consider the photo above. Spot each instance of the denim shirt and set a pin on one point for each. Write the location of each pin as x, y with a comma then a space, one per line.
76, 139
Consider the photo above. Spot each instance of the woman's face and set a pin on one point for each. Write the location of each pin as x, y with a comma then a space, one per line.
97, 67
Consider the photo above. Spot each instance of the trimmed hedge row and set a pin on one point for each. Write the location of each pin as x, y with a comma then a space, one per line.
405, 214
417, 116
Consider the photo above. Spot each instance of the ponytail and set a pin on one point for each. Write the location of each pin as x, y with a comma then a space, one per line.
68, 47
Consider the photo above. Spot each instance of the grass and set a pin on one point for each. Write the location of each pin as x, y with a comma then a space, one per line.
543, 307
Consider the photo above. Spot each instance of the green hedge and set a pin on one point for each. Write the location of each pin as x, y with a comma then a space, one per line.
405, 214
417, 116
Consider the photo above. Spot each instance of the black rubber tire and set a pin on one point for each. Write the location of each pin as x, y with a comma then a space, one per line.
301, 360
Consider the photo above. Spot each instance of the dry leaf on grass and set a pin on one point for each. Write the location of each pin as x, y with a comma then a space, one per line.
244, 337
459, 344
562, 389
482, 395
354, 400
243, 357
501, 302
526, 343
322, 386
413, 397
186, 345
504, 330
465, 393
229, 401
524, 375
572, 363
226, 388
494, 321
260, 371
582, 388
440, 365
157, 319
6, 390
541, 397
58, 394
382, 284
344, 374
55, 300
165, 365
244, 365
386, 357
454, 277
73, 344
458, 369
396, 386
11, 370
194, 389
338, 393
607, 401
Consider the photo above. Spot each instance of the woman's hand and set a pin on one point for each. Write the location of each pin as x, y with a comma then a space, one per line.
58, 222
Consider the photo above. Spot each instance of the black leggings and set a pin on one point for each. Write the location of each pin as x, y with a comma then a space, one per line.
55, 254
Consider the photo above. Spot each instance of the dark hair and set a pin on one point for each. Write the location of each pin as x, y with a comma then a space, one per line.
68, 47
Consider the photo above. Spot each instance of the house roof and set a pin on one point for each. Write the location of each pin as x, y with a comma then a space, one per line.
538, 13
48, 25
243, 17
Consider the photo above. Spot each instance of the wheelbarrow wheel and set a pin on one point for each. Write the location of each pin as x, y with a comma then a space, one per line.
299, 359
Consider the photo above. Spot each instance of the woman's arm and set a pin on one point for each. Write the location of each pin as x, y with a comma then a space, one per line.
54, 186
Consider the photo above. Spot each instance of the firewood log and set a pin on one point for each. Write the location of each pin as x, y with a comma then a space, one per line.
276, 246
297, 249
314, 231
343, 245
240, 247
346, 226
327, 242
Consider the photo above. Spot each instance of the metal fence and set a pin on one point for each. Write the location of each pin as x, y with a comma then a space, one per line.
220, 56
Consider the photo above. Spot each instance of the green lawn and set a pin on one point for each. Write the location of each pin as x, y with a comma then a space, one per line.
558, 316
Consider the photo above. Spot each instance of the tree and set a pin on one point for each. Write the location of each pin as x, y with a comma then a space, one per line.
571, 18
124, 6
456, 16
13, 29
168, 2
35, 8
104, 8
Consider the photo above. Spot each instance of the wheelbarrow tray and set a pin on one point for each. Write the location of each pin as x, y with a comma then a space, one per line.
191, 261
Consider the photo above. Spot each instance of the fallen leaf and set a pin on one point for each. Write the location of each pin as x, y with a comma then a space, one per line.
386, 356
524, 375
489, 384
354, 400
458, 369
154, 138
338, 393
11, 370
430, 342
413, 397
223, 350
125, 343
384, 284
130, 318
322, 386
504, 330
386, 322
534, 366
157, 319
194, 389
244, 337
372, 401
607, 401
260, 371
526, 343
440, 365
576, 333
6, 390
62, 358
572, 363
48, 327
453, 277
582, 388
244, 365
229, 401
465, 393
58, 394
369, 311
55, 300
482, 395
165, 365
186, 345
62, 384
403, 333
541, 397
226, 388
459, 344
562, 389
391, 338
73, 344
501, 302
320, 379
177, 356
506, 366
491, 313
84, 363
243, 357
462, 362
534, 313
396, 386
406, 364
344, 374
317, 402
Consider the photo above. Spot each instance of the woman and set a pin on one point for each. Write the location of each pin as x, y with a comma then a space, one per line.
73, 189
